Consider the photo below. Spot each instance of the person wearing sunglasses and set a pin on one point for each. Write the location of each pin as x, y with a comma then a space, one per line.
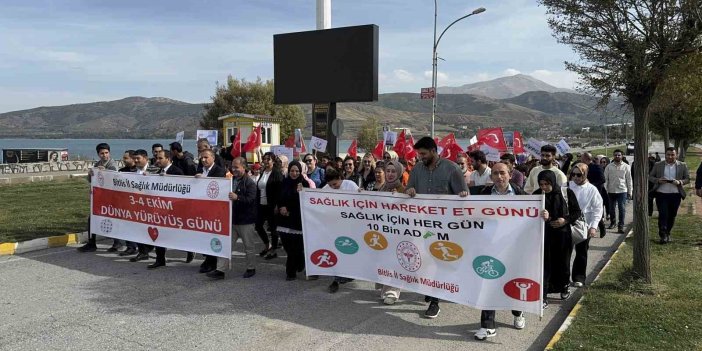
349, 172
313, 172
591, 205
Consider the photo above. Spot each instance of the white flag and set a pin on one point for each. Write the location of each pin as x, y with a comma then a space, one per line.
319, 144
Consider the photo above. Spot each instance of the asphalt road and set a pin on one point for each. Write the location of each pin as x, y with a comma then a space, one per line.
60, 299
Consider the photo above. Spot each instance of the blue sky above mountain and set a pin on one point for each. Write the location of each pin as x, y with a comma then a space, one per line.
63, 52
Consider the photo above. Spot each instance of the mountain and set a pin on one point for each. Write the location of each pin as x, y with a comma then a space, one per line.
132, 117
565, 104
503, 88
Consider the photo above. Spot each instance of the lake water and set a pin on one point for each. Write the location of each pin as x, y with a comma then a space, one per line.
85, 148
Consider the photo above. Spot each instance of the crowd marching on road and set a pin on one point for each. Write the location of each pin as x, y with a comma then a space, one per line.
265, 201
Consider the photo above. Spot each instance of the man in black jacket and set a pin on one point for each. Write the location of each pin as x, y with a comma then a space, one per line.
243, 199
128, 162
698, 181
211, 170
500, 177
202, 145
163, 161
183, 159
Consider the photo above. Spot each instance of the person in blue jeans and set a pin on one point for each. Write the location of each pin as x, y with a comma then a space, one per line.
619, 187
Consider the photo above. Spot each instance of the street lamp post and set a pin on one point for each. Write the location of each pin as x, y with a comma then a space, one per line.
435, 58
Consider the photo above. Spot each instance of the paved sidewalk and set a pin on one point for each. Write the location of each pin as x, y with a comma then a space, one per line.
62, 299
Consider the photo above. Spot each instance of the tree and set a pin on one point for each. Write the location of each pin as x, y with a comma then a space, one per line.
368, 134
625, 47
677, 104
254, 98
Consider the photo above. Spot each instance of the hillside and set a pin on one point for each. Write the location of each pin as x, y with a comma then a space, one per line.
503, 88
132, 117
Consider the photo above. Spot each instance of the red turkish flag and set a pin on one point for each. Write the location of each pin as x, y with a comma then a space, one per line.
379, 150
254, 140
493, 137
410, 152
236, 145
518, 143
353, 149
474, 147
451, 151
399, 147
447, 140
290, 142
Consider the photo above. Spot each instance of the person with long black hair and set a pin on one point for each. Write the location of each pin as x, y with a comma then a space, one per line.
558, 244
290, 220
268, 184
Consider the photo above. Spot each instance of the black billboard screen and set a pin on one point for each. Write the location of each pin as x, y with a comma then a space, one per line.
322, 66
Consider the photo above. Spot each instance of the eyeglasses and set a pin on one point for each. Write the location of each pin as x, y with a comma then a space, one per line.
576, 175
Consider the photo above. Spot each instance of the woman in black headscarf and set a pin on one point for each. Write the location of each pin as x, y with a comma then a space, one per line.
290, 219
557, 238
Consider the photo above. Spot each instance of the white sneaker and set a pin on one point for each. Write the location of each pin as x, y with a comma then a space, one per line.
578, 284
519, 322
389, 300
485, 333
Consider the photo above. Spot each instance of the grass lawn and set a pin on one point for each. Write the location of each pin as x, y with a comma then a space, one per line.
38, 210
619, 313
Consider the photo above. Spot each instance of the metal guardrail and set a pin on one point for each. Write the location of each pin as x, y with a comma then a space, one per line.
41, 167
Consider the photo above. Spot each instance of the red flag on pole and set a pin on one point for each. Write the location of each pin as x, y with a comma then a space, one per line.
353, 149
290, 142
410, 152
236, 145
493, 137
518, 143
254, 140
379, 150
451, 151
447, 140
399, 147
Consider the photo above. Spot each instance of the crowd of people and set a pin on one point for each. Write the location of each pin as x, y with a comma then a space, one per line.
265, 201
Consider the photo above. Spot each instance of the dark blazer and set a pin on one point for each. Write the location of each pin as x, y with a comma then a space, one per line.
186, 164
290, 199
595, 175
244, 209
174, 170
219, 161
681, 173
698, 180
273, 186
127, 169
487, 190
215, 172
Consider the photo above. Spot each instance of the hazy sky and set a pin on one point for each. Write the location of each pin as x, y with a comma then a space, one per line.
64, 52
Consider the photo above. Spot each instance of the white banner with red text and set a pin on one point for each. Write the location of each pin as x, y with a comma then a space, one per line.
183, 213
482, 251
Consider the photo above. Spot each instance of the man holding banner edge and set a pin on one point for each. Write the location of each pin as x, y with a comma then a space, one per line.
434, 175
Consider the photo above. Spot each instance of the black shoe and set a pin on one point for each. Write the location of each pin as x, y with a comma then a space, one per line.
88, 248
565, 295
156, 265
189, 258
263, 253
667, 238
249, 273
140, 257
662, 241
114, 248
290, 278
427, 298
128, 252
206, 268
611, 226
271, 255
433, 310
217, 275
620, 230
333, 287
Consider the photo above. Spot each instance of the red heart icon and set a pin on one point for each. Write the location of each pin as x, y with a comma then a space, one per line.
153, 233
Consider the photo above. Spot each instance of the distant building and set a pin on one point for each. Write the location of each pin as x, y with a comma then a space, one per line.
585, 129
270, 130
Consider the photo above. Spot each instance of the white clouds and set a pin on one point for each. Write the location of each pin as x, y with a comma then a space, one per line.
63, 56
510, 72
403, 76
441, 77
561, 79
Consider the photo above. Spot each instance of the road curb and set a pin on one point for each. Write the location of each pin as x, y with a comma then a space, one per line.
571, 316
42, 243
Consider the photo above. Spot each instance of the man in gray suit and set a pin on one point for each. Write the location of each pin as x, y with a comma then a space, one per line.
668, 177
